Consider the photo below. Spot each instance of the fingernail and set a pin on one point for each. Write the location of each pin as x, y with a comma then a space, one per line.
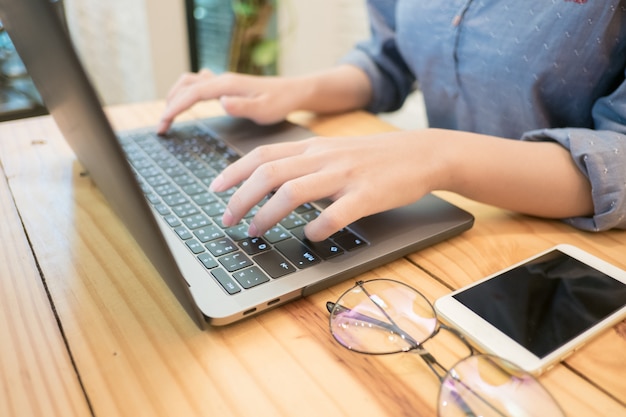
216, 184
253, 231
227, 218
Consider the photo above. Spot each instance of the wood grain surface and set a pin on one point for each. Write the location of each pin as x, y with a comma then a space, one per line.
89, 328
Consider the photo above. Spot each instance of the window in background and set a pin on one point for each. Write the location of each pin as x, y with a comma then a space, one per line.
18, 96
233, 35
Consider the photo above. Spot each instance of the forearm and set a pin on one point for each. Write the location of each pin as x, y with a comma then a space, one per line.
536, 178
339, 89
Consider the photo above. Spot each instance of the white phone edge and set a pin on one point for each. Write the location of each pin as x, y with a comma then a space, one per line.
489, 339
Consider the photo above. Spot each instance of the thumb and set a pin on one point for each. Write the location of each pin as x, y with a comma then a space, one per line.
250, 108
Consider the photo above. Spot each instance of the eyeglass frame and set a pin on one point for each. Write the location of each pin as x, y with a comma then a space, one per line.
432, 363
426, 356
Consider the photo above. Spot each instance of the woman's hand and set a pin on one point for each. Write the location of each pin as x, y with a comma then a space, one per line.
267, 100
362, 175
262, 99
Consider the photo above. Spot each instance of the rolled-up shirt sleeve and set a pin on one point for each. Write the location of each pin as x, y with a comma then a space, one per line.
379, 58
601, 155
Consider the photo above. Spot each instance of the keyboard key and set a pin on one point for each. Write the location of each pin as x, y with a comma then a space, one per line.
174, 171
250, 277
276, 234
167, 161
221, 247
203, 172
291, 221
162, 209
225, 195
165, 189
274, 264
218, 221
149, 171
184, 179
237, 232
193, 189
326, 249
175, 199
226, 280
310, 215
183, 232
214, 209
184, 210
153, 198
253, 245
303, 208
349, 241
207, 260
172, 220
195, 246
157, 180
207, 233
196, 221
203, 199
253, 211
297, 253
235, 261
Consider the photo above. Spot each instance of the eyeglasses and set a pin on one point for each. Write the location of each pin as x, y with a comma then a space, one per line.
384, 316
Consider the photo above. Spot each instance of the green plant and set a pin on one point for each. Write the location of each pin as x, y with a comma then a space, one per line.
254, 44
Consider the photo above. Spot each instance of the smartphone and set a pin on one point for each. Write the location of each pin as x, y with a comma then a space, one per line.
539, 311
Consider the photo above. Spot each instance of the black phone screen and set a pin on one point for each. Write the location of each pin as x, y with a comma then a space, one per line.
547, 302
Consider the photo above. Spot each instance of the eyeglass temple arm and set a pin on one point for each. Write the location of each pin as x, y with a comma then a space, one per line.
433, 364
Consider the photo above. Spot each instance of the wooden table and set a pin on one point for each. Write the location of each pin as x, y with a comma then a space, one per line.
88, 328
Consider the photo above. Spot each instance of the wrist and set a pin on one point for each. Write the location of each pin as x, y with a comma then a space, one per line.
339, 89
303, 90
447, 155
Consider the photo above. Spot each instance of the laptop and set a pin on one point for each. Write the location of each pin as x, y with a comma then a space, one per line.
219, 275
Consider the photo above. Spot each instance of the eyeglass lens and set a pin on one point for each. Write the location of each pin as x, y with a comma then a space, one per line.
384, 316
485, 385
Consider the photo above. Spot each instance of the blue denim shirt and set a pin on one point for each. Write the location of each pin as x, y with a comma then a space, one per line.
541, 70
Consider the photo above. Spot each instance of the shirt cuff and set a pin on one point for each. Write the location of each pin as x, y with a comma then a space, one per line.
601, 157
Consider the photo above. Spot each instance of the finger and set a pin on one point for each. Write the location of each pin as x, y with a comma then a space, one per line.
192, 88
273, 175
187, 79
341, 213
291, 195
244, 167
253, 108
164, 125
184, 98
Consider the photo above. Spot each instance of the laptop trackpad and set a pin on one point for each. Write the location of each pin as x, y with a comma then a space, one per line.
245, 135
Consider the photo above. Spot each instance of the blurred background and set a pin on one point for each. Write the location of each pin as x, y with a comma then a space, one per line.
134, 50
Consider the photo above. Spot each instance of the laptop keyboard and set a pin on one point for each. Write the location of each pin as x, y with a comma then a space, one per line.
175, 172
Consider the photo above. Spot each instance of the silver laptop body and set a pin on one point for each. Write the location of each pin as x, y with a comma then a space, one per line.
47, 52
